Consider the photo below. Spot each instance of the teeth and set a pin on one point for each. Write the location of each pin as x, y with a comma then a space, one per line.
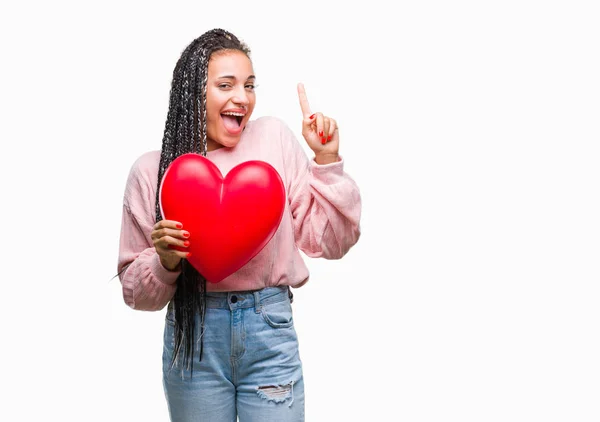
231, 113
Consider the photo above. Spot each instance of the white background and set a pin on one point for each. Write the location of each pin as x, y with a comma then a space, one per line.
472, 129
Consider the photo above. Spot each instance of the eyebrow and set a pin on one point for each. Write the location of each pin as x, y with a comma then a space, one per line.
233, 77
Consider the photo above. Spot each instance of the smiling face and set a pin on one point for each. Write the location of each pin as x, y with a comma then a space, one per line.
230, 98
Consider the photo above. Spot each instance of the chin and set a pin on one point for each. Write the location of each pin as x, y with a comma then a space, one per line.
229, 141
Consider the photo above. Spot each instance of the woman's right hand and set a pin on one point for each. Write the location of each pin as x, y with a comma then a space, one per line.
167, 234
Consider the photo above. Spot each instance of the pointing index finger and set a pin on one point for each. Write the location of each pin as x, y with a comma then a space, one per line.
303, 101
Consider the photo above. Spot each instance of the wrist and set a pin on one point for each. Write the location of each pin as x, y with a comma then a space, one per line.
329, 158
171, 266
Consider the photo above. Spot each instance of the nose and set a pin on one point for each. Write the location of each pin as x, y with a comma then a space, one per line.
240, 97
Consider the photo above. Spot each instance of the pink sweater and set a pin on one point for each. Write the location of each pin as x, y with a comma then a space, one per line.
321, 218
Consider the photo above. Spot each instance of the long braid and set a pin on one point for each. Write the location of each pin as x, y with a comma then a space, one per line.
201, 102
185, 132
171, 134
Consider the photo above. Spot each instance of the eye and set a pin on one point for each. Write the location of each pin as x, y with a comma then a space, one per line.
224, 86
250, 87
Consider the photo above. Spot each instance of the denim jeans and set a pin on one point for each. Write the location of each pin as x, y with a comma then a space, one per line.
250, 365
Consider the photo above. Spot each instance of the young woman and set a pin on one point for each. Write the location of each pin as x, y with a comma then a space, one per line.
230, 348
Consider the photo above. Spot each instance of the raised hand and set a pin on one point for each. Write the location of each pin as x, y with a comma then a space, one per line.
319, 131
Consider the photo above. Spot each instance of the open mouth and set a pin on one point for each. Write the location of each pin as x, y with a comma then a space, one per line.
232, 120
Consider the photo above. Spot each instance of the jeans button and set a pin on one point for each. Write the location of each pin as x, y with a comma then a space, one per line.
233, 299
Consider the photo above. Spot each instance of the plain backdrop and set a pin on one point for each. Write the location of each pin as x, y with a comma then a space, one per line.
472, 129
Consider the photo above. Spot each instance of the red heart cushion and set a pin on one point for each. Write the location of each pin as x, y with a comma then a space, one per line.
229, 219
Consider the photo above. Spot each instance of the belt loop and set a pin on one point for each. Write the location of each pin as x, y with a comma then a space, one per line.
257, 304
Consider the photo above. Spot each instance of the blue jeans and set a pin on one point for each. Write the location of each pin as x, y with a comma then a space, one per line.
250, 365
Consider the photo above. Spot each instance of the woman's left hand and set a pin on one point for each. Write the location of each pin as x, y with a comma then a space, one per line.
320, 132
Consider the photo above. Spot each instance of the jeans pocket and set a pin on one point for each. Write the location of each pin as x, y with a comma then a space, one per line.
170, 318
169, 331
278, 314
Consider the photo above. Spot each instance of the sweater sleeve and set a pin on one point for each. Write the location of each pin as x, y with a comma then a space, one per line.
324, 200
147, 285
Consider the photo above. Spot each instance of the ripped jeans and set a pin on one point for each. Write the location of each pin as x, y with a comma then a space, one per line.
250, 365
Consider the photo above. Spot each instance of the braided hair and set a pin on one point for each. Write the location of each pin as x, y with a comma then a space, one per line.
185, 132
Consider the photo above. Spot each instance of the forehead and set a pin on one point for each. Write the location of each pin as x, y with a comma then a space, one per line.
229, 62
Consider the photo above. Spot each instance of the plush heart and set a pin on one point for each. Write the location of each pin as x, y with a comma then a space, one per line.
230, 219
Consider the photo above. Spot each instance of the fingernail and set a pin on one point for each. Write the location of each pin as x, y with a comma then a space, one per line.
179, 225
312, 117
329, 138
186, 243
189, 254
323, 141
185, 234
321, 133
